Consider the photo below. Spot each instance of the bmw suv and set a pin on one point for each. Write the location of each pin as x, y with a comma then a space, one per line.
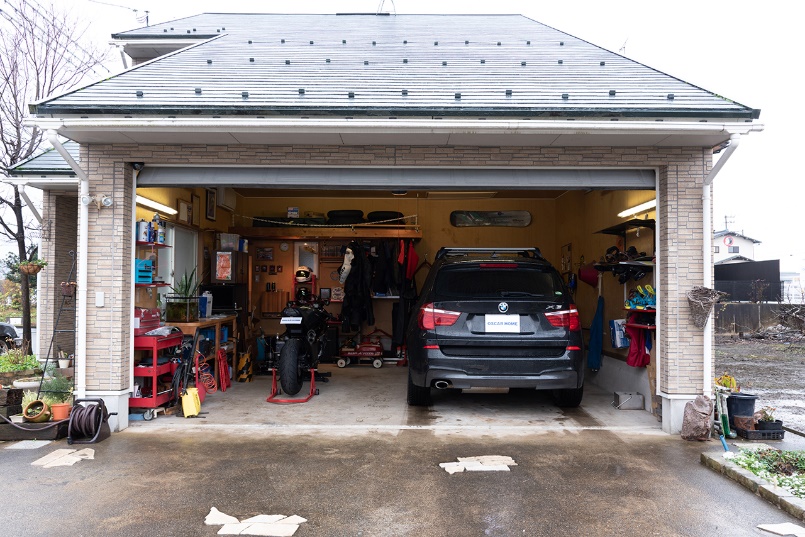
494, 318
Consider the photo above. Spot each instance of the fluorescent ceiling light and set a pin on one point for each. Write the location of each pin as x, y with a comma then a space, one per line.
145, 202
643, 207
469, 195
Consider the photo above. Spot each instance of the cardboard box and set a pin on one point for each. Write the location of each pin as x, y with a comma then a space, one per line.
628, 401
617, 334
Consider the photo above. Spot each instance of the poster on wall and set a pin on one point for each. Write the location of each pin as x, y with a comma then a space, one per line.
265, 254
223, 266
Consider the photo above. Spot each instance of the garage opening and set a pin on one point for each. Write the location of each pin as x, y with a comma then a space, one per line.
247, 230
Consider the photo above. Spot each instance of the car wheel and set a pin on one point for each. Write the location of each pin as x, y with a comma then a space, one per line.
3, 347
417, 395
570, 397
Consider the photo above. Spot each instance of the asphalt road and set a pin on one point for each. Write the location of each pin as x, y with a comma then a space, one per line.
581, 483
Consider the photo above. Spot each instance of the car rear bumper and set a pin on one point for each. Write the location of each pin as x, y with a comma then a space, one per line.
546, 381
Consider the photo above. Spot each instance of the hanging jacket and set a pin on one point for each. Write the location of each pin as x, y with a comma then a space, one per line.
357, 306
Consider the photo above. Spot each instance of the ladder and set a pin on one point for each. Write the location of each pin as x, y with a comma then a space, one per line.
67, 304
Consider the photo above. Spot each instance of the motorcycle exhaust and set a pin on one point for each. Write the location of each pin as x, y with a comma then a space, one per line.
441, 384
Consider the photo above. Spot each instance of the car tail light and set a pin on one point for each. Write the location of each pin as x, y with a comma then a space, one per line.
568, 318
430, 317
573, 348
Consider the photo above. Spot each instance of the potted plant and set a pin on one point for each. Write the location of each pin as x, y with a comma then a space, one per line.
766, 420
17, 364
68, 289
57, 392
37, 411
182, 306
32, 267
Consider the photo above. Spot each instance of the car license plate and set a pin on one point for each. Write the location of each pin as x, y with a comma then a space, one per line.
502, 323
291, 320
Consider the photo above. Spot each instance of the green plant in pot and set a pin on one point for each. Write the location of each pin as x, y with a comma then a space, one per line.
766, 421
57, 393
182, 306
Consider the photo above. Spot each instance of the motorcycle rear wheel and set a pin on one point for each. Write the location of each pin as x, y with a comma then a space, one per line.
289, 370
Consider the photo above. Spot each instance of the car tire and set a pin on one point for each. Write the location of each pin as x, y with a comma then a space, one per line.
568, 398
417, 395
3, 347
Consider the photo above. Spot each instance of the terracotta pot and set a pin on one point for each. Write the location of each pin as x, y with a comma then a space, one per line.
41, 412
61, 411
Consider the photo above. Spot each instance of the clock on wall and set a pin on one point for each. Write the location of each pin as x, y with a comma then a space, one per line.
284, 246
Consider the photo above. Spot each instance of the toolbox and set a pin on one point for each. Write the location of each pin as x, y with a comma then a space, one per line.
143, 271
145, 320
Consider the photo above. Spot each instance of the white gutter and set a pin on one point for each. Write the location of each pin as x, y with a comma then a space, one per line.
707, 249
283, 125
83, 245
31, 206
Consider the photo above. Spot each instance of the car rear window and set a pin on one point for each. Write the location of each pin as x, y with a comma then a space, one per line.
472, 281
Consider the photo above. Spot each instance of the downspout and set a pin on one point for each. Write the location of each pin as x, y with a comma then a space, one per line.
707, 248
31, 206
83, 244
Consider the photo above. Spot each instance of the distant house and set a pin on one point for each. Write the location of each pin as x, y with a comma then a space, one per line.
732, 247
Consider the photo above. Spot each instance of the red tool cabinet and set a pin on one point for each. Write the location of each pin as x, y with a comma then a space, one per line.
154, 344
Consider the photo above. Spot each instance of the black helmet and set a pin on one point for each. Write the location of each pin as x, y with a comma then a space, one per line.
303, 294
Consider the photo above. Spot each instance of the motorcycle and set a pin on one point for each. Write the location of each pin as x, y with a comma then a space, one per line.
304, 340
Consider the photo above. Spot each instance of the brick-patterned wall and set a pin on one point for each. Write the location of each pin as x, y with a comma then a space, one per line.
59, 236
682, 173
109, 256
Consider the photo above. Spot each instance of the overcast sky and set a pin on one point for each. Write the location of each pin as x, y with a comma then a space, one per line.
745, 51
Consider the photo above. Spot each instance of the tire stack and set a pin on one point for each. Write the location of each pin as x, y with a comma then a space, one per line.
245, 368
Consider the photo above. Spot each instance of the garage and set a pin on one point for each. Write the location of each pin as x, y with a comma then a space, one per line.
256, 142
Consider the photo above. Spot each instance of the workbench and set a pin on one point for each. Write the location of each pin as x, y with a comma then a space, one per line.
215, 322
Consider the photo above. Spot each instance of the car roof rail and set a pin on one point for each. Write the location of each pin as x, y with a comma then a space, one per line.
525, 252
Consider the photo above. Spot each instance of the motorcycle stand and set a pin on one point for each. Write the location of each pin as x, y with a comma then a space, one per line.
313, 390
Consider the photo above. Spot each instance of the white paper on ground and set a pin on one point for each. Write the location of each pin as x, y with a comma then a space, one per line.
217, 518
786, 528
271, 530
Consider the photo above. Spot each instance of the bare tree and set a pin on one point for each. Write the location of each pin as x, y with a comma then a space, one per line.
41, 54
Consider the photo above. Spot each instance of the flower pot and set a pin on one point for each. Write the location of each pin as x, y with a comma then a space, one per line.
775, 425
61, 411
36, 412
64, 364
30, 269
27, 384
68, 289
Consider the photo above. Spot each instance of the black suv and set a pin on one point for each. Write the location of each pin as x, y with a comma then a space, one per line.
495, 318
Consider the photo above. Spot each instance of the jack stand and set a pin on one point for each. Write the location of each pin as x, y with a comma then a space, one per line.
275, 389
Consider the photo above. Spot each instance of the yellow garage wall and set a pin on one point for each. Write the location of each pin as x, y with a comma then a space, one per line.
574, 218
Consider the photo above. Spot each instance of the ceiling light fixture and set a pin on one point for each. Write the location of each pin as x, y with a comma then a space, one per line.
145, 202
643, 207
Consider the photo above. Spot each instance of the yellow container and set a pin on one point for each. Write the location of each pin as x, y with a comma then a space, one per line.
191, 405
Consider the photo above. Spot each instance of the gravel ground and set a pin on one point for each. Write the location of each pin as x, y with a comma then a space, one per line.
772, 368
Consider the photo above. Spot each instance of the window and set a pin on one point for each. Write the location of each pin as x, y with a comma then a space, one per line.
734, 249
716, 249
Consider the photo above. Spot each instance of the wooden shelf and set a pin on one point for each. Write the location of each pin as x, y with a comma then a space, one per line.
644, 326
647, 310
357, 231
153, 244
160, 284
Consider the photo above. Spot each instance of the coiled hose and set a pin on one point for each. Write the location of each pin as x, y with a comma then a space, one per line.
86, 421
206, 378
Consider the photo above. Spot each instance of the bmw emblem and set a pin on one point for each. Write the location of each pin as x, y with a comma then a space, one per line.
503, 307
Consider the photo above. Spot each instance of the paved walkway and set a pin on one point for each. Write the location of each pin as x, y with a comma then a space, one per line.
371, 468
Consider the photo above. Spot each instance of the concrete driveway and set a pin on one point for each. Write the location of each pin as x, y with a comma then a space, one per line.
371, 468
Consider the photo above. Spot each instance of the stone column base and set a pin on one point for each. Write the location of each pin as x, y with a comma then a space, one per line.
673, 410
115, 402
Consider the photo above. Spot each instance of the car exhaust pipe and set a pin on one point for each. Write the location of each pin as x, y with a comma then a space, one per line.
441, 384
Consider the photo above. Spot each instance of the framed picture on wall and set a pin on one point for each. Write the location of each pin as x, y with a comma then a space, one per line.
185, 214
195, 207
212, 202
265, 254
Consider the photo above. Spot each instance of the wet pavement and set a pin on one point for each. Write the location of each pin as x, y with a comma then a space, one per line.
360, 463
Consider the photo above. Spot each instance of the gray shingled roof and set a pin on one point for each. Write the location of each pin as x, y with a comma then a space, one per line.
47, 163
407, 65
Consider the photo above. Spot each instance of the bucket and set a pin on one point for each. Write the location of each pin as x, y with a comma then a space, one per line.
143, 231
740, 404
